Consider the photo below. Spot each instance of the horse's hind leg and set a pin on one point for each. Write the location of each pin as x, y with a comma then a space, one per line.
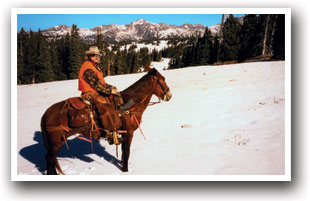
50, 163
51, 158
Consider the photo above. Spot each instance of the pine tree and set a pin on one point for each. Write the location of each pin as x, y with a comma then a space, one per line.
156, 55
279, 38
186, 56
107, 60
43, 68
260, 34
126, 61
198, 57
118, 63
22, 38
264, 51
62, 54
220, 39
231, 40
75, 54
248, 35
273, 28
176, 60
63, 51
135, 63
214, 50
100, 44
30, 59
145, 57
56, 62
204, 47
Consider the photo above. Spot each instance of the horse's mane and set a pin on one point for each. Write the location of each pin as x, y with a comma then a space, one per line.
139, 87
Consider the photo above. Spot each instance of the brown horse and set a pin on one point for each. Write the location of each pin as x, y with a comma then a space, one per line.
55, 123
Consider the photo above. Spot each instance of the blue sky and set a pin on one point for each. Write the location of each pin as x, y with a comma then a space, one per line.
44, 21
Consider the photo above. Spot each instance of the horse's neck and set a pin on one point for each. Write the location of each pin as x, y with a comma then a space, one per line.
141, 92
141, 106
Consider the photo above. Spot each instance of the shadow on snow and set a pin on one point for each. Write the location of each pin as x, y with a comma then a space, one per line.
78, 149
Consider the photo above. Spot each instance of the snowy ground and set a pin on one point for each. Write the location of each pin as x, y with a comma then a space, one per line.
157, 46
221, 120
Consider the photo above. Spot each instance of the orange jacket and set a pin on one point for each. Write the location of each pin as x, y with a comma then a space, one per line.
83, 85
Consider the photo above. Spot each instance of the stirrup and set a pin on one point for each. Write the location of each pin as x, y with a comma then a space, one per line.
113, 137
117, 139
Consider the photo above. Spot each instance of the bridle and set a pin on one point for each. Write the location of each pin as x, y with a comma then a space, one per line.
151, 92
163, 89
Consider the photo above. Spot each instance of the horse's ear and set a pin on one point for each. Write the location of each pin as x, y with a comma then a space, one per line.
147, 67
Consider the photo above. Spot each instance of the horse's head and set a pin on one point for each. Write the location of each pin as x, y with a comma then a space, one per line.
161, 90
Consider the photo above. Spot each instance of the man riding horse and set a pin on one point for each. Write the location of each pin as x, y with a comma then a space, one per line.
71, 116
96, 91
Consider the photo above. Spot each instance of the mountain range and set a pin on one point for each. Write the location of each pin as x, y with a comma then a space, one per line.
137, 30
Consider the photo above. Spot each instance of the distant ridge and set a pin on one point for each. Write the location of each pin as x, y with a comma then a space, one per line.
140, 29
137, 30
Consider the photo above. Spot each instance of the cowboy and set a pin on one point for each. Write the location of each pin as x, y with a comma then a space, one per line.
91, 78
93, 86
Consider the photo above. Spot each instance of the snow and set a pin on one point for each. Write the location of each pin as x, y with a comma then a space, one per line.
158, 47
162, 44
161, 65
140, 21
221, 120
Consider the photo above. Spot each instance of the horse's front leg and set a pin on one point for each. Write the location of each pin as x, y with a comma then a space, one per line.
127, 139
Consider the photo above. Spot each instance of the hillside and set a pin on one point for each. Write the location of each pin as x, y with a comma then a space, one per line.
221, 120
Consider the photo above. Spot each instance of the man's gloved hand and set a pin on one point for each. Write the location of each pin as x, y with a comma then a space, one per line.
117, 96
114, 90
118, 100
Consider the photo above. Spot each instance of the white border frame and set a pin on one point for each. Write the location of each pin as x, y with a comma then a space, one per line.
285, 177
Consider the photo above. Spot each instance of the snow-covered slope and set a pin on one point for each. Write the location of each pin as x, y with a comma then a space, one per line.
221, 120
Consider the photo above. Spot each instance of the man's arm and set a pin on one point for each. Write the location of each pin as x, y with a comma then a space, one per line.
91, 78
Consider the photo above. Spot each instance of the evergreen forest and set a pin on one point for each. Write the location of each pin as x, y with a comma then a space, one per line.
46, 59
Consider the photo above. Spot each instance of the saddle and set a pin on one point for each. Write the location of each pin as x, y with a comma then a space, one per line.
80, 116
79, 113
77, 103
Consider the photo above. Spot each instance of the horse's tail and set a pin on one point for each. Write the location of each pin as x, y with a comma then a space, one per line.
43, 132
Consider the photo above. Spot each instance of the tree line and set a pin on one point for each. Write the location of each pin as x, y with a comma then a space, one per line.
258, 37
45, 59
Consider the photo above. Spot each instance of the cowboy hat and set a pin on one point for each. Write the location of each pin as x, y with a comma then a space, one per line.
93, 50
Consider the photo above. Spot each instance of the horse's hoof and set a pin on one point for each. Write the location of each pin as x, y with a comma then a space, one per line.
125, 169
51, 173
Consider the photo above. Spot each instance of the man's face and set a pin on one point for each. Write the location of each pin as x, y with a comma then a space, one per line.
95, 58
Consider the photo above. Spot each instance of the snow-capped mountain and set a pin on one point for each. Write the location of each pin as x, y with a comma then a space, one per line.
137, 30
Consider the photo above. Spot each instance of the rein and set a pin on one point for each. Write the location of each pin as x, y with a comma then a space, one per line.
150, 94
154, 103
135, 118
131, 110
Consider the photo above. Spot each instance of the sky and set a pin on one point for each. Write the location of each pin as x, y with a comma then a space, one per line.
44, 21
